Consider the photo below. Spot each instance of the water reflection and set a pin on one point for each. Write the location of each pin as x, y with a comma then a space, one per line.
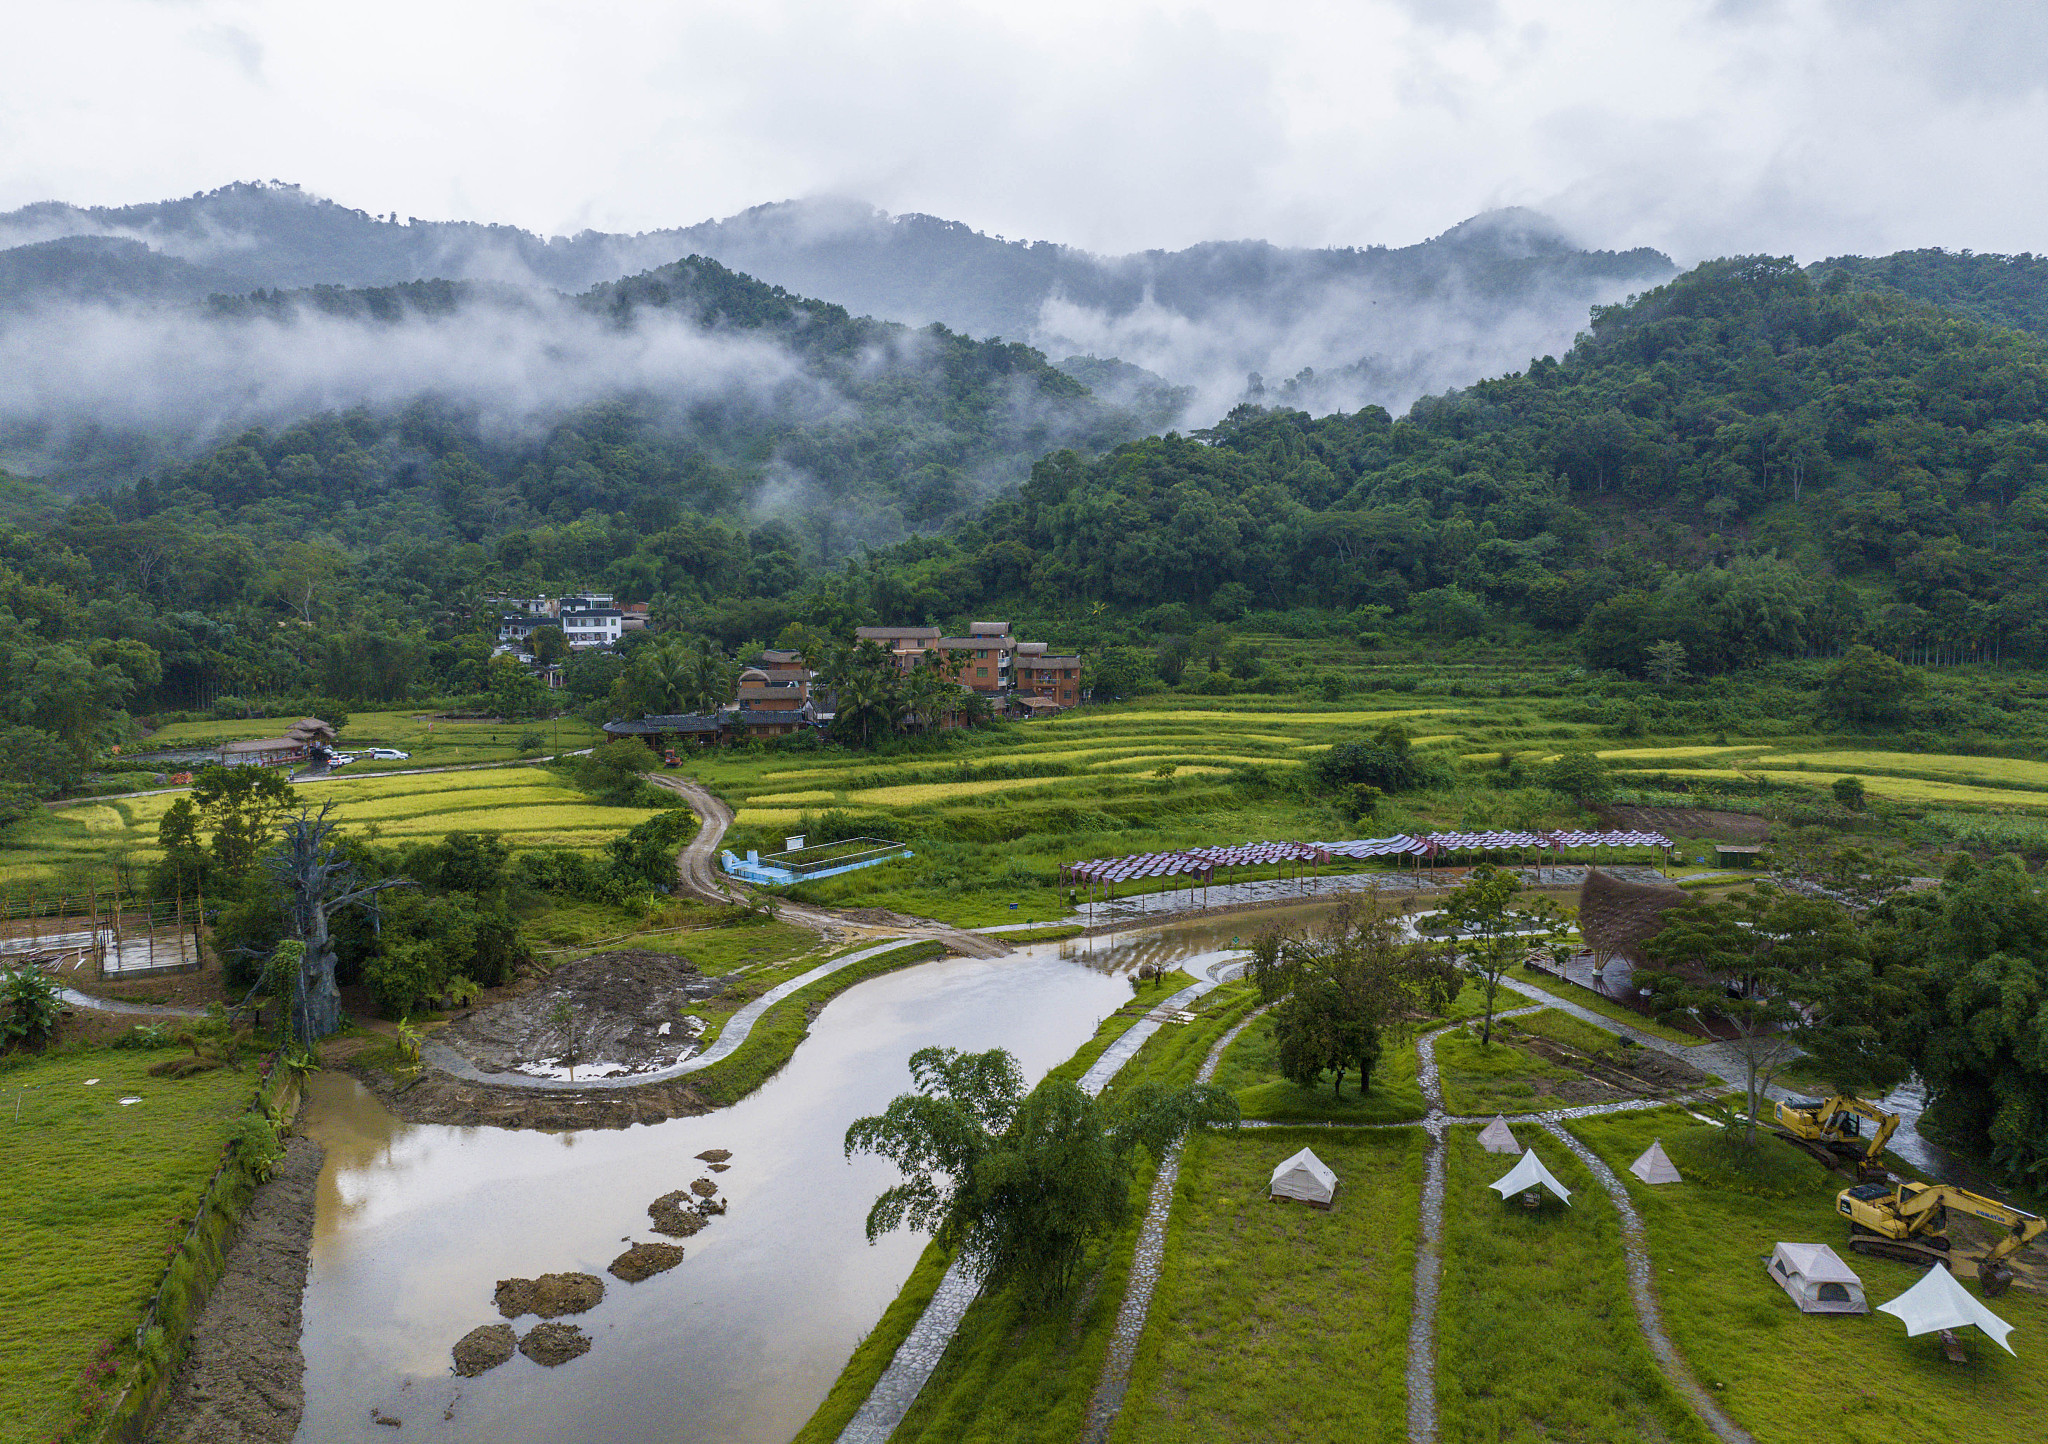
417, 1223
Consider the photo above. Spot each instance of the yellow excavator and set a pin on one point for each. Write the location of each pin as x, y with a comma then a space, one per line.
1831, 1129
1909, 1222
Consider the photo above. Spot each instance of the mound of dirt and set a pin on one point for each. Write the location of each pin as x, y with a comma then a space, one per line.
550, 1295
704, 1188
552, 1344
626, 1014
1688, 822
675, 1214
715, 1155
483, 1349
645, 1260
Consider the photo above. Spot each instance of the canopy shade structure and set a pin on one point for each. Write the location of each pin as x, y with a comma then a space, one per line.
1938, 1302
1655, 1166
1202, 861
1529, 1173
1817, 1279
1497, 1137
1306, 1179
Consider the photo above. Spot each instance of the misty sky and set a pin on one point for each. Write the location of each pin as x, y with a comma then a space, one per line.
1701, 128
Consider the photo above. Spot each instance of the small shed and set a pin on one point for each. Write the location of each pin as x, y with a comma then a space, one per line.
1817, 1279
1655, 1166
1304, 1178
1527, 1176
1736, 854
1497, 1137
1938, 1302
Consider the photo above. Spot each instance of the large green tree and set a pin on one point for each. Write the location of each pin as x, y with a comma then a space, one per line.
1020, 1183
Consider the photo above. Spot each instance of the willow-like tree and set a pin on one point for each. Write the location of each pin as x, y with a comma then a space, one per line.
1017, 1182
318, 880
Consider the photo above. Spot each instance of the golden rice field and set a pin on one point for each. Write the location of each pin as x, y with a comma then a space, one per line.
531, 807
2014, 771
432, 741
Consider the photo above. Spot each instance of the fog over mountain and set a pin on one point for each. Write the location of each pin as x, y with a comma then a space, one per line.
1375, 324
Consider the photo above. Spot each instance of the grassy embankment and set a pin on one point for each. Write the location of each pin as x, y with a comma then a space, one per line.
1792, 1378
1011, 1373
93, 1193
79, 846
1535, 1335
432, 741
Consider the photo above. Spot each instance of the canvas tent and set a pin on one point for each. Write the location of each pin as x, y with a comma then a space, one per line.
1817, 1279
1938, 1302
1655, 1166
1304, 1178
1497, 1137
1529, 1173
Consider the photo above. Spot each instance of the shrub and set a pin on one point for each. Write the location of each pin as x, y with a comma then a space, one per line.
31, 1007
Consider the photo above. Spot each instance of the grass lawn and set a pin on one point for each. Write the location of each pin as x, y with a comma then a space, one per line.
533, 807
1250, 1071
1275, 1321
92, 1193
1792, 1378
1495, 1078
1562, 1027
1535, 1336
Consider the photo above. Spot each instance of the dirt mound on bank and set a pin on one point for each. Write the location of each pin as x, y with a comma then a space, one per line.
675, 1214
243, 1378
483, 1349
550, 1295
645, 1260
626, 1014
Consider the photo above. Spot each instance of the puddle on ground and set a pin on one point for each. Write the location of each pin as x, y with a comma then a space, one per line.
741, 1342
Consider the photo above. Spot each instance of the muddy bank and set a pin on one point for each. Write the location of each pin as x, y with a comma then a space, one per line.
435, 1097
243, 1377
610, 1014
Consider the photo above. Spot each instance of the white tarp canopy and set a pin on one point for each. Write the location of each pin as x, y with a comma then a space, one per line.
1655, 1166
1497, 1137
1817, 1279
1530, 1173
1939, 1302
1305, 1178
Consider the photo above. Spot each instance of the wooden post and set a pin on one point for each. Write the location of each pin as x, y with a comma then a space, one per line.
179, 906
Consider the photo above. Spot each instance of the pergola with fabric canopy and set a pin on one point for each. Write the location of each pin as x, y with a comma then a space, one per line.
1199, 864
1938, 1302
1528, 1175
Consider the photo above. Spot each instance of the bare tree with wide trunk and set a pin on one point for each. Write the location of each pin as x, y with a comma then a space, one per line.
319, 881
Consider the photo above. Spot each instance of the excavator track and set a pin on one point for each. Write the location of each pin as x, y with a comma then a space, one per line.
1921, 1255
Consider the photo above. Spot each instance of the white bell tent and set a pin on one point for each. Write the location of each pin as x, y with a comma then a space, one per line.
1304, 1178
1938, 1302
1497, 1137
1529, 1173
1817, 1279
1655, 1166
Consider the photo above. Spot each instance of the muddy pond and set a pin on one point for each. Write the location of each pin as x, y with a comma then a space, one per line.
416, 1223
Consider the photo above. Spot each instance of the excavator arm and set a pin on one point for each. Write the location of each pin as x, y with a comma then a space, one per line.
1922, 1210
1887, 1123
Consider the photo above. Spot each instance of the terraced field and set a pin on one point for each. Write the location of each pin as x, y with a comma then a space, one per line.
432, 741
530, 806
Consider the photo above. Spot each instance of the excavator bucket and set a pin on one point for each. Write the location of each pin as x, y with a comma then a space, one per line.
1994, 1276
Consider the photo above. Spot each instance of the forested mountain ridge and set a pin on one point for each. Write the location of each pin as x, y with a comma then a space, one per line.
1743, 461
689, 387
2004, 290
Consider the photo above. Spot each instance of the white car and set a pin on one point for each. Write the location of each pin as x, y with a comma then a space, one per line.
339, 759
388, 754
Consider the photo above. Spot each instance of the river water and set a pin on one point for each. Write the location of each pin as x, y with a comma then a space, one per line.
416, 1223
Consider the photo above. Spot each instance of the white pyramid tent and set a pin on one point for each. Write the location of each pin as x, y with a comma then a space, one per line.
1939, 1302
1655, 1165
1529, 1173
1497, 1137
1306, 1179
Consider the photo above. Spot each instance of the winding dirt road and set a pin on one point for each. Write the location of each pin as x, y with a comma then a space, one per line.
697, 874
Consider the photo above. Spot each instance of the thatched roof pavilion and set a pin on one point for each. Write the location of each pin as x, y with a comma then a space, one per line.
1617, 917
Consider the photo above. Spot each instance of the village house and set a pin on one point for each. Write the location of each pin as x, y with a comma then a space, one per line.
305, 740
1023, 678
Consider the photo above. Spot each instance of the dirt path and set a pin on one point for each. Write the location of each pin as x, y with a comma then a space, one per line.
243, 1378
